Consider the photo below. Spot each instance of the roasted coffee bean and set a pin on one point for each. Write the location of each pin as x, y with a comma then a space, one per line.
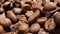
9, 33
26, 7
1, 10
34, 15
29, 16
22, 18
44, 2
49, 6
29, 13
17, 0
1, 29
11, 15
17, 10
42, 31
14, 27
35, 27
37, 6
27, 1
5, 22
2, 0
11, 0
23, 27
29, 33
42, 20
50, 24
8, 5
56, 17
22, 3
58, 3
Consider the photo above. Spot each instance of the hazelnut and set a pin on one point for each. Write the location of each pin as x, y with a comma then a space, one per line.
11, 15
50, 24
5, 22
34, 27
49, 6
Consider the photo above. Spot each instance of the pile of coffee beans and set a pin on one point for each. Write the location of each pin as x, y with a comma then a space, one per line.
29, 16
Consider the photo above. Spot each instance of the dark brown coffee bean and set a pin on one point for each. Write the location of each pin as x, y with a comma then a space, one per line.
58, 3
17, 0
8, 5
44, 2
50, 6
11, 0
56, 17
26, 7
48, 14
